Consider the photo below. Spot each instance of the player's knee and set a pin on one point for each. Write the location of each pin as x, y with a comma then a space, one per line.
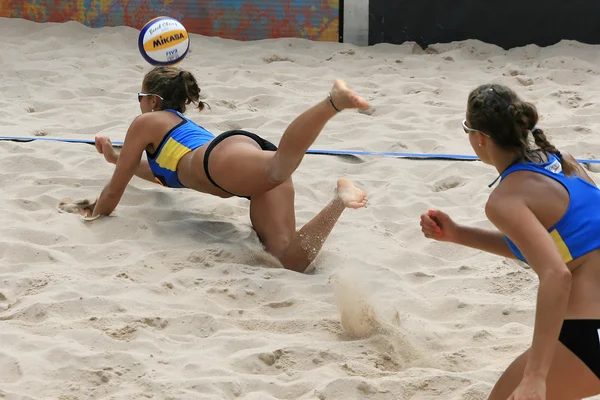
278, 246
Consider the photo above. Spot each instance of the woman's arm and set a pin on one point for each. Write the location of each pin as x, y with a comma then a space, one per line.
488, 240
143, 171
512, 216
438, 225
127, 164
105, 147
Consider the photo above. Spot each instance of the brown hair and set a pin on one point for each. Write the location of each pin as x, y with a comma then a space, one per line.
177, 87
499, 112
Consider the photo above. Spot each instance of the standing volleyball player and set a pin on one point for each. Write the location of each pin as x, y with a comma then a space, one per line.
546, 209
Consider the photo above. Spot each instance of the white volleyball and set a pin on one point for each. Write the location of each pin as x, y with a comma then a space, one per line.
163, 41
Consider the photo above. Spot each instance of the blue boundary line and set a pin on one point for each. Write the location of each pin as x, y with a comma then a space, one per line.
413, 156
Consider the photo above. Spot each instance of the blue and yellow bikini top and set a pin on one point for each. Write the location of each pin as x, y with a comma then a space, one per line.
578, 231
183, 138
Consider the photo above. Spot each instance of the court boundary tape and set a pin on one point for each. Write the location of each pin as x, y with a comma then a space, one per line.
411, 156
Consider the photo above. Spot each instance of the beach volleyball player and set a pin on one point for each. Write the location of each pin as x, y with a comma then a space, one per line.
546, 211
182, 154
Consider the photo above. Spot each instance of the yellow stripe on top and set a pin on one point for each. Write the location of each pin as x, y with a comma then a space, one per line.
562, 246
170, 154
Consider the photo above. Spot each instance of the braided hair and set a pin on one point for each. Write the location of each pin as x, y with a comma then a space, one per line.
499, 112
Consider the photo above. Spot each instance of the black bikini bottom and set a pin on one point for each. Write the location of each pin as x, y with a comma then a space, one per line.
264, 144
582, 338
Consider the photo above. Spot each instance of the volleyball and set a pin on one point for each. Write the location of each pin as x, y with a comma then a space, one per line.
163, 41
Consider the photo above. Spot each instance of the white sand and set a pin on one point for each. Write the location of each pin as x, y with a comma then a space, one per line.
173, 298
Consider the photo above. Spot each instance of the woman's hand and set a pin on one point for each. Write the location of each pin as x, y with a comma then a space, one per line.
438, 225
530, 389
105, 147
85, 208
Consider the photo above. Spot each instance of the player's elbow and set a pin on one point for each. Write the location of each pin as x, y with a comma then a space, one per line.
560, 275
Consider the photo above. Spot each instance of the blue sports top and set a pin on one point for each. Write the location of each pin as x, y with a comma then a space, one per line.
578, 231
183, 138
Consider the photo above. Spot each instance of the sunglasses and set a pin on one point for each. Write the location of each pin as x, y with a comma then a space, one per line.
140, 95
469, 130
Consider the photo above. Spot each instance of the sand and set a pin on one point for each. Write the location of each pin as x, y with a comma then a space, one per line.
173, 297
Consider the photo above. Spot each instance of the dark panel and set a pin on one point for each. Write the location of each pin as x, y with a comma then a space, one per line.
507, 24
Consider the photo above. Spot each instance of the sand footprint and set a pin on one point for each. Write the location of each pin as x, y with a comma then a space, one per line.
285, 360
4, 303
568, 98
281, 304
11, 370
448, 183
525, 81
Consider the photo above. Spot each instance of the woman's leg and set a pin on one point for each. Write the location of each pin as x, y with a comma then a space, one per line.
568, 379
272, 216
238, 165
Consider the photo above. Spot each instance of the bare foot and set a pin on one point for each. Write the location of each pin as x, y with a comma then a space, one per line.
105, 147
344, 98
350, 195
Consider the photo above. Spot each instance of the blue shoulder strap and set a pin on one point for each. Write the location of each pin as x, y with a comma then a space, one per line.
175, 112
552, 167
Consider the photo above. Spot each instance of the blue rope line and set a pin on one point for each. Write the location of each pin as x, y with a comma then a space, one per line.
413, 156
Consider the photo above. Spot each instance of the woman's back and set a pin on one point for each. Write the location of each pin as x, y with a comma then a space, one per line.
567, 206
